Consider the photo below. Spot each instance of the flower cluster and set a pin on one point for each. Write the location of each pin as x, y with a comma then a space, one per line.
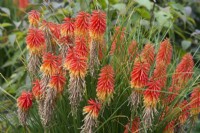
61, 54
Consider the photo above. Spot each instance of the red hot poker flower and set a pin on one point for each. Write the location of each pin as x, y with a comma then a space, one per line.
37, 89
97, 26
57, 82
148, 53
92, 108
132, 48
184, 70
24, 101
35, 41
23, 4
135, 126
185, 113
105, 85
81, 46
67, 28
164, 52
139, 74
82, 24
152, 93
51, 64
34, 18
195, 102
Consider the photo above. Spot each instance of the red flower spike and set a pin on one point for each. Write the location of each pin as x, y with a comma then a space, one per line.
170, 127
97, 26
57, 82
195, 102
148, 53
34, 18
81, 46
82, 23
37, 89
23, 4
67, 28
165, 52
139, 74
132, 48
51, 64
160, 73
185, 113
92, 109
105, 85
184, 70
135, 126
55, 30
75, 63
24, 101
35, 41
152, 93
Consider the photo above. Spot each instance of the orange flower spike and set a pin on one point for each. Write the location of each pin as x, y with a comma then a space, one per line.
195, 102
23, 4
170, 127
55, 30
67, 28
51, 64
148, 53
35, 41
184, 70
34, 18
152, 93
24, 101
57, 82
135, 126
165, 52
105, 85
97, 25
37, 89
81, 46
139, 74
92, 109
82, 24
160, 73
78, 66
185, 113
132, 48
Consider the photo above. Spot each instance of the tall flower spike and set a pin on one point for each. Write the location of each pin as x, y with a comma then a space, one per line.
76, 63
55, 87
148, 53
97, 29
97, 26
134, 126
132, 48
24, 103
51, 64
34, 18
82, 24
195, 103
92, 113
81, 46
170, 127
165, 52
184, 71
151, 98
67, 28
185, 112
139, 79
105, 85
36, 45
